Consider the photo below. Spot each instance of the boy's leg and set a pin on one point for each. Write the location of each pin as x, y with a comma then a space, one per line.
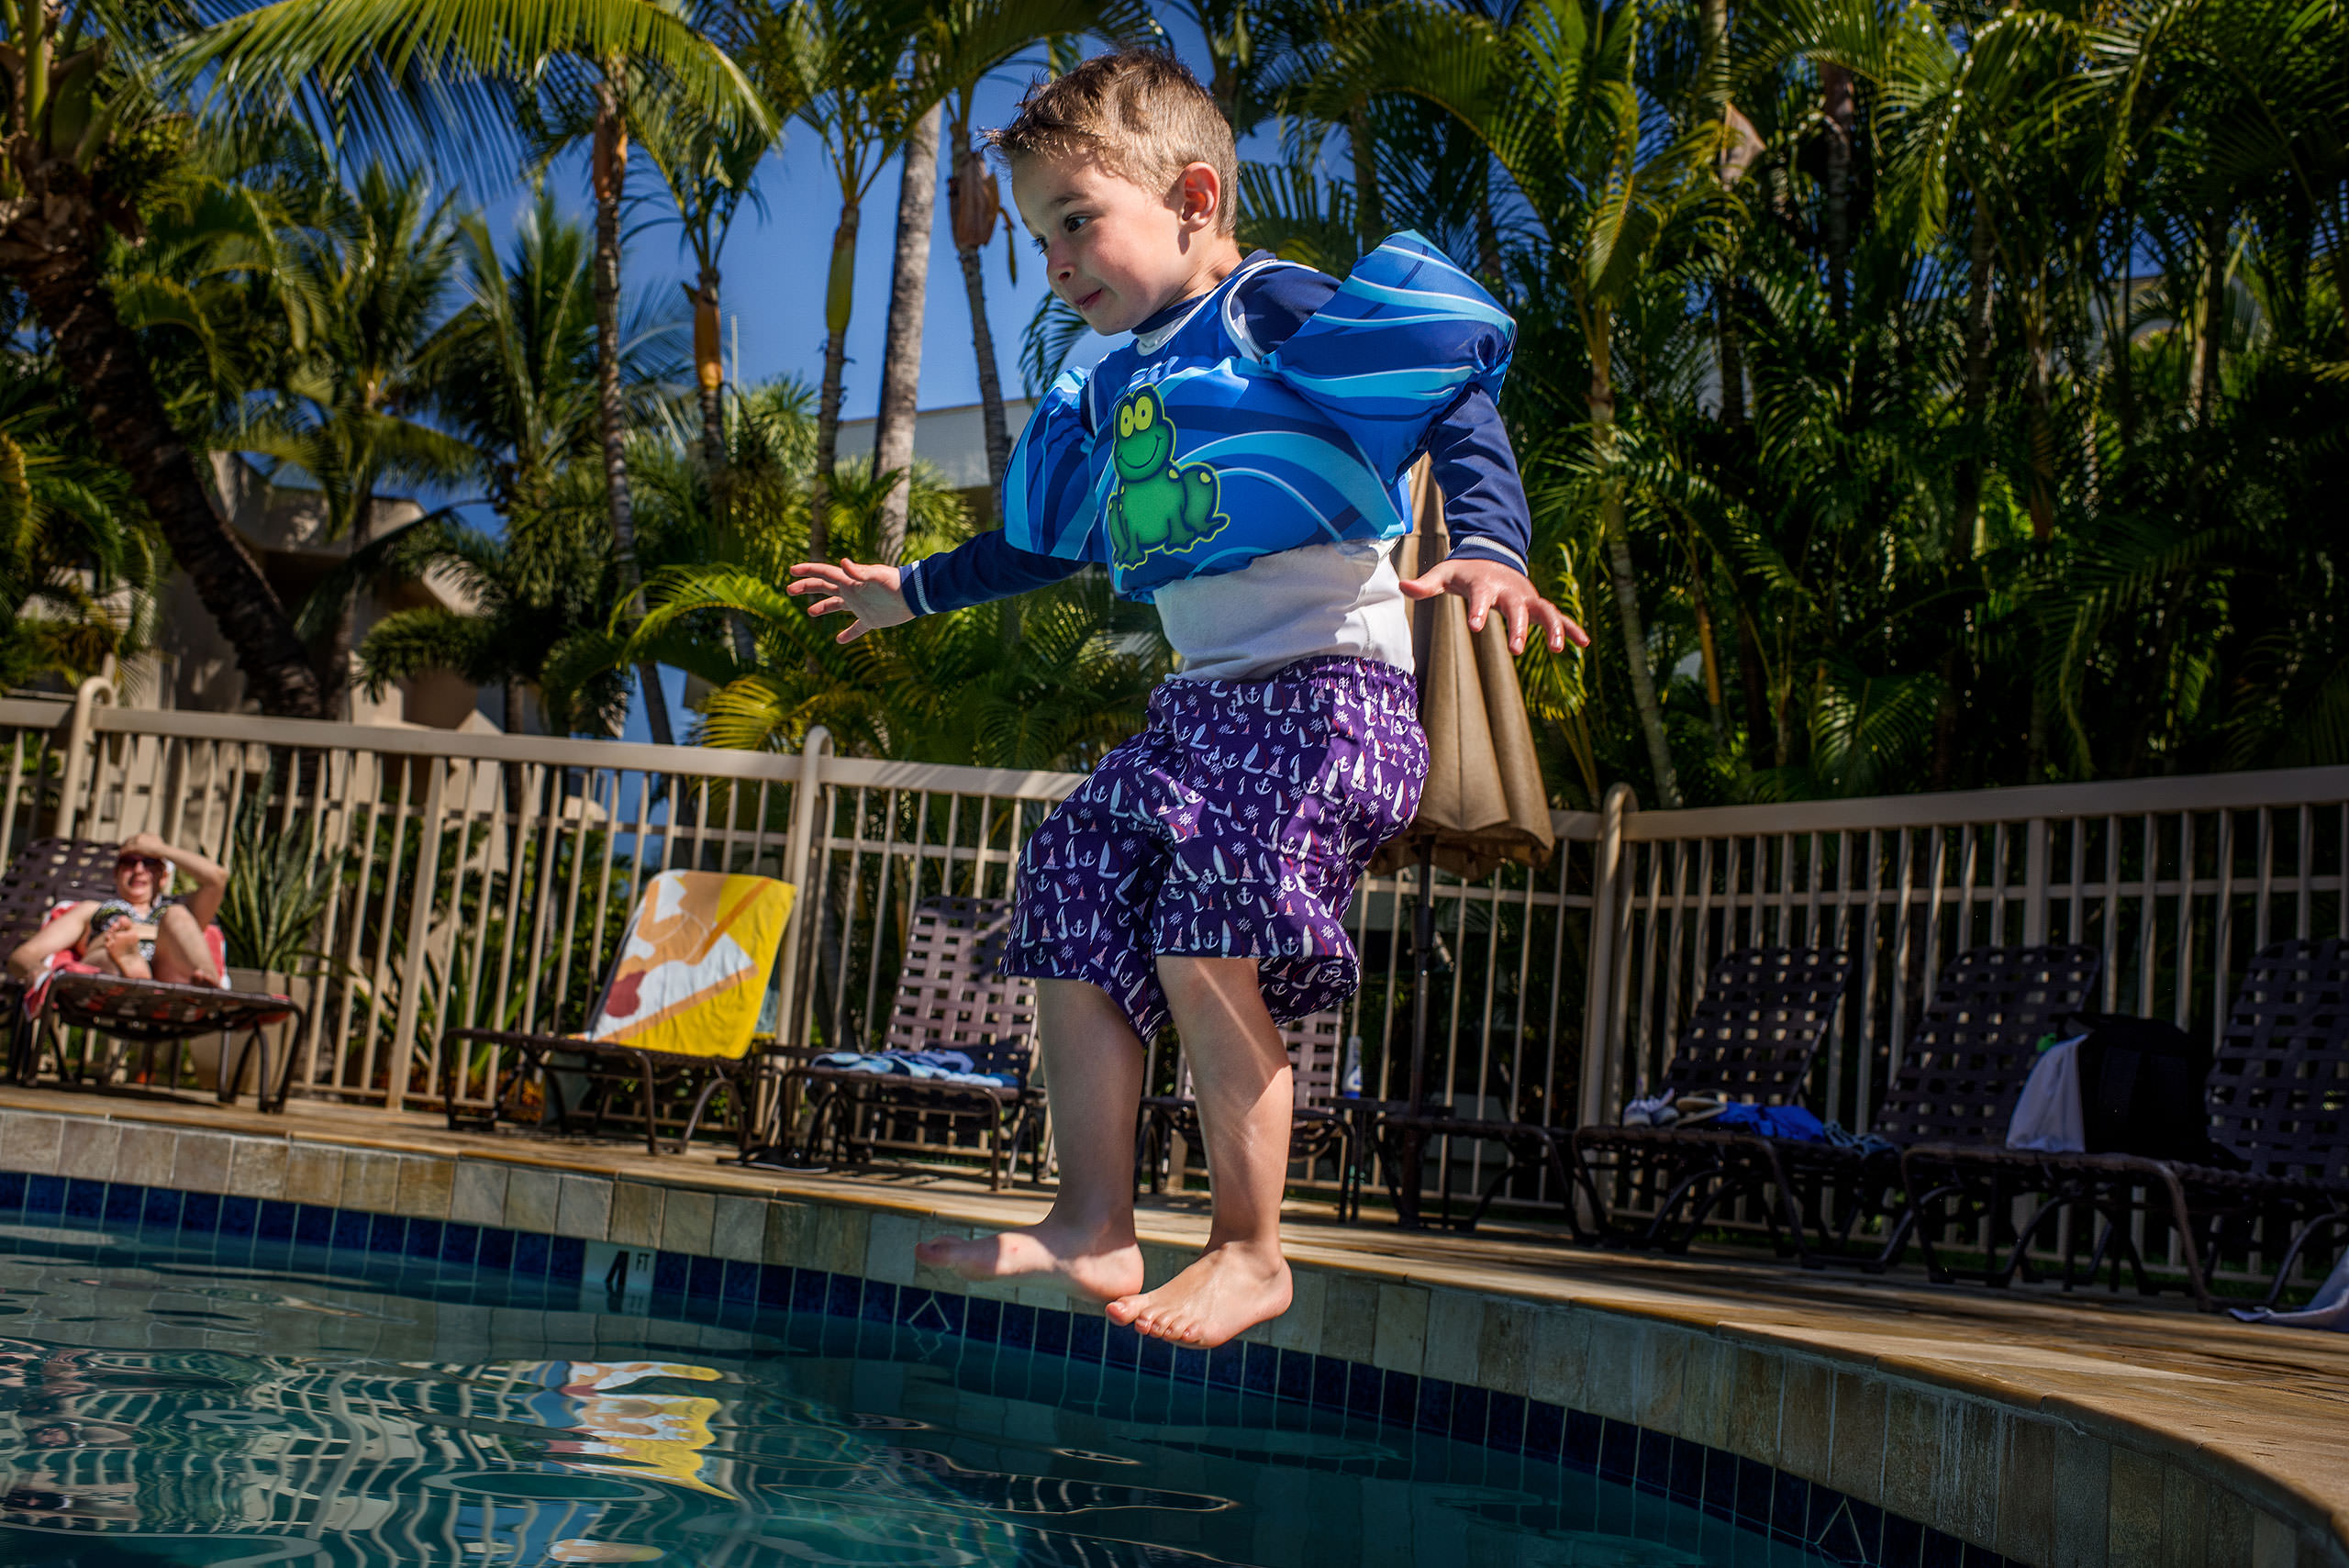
180, 952
1239, 1073
1093, 1070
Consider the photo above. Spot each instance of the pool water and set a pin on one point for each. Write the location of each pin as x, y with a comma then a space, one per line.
163, 1405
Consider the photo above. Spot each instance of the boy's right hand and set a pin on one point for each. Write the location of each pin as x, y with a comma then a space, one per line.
868, 593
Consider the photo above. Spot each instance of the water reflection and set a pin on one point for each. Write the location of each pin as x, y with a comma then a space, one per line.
157, 1408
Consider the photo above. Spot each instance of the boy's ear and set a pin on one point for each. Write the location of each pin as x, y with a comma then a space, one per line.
1200, 195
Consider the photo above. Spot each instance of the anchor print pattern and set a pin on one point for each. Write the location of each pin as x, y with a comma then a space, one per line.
1236, 824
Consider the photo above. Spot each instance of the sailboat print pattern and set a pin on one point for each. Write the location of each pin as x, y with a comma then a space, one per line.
1236, 824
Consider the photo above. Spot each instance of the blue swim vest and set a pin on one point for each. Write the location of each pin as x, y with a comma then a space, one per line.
1189, 451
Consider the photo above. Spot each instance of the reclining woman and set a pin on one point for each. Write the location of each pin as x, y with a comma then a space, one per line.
142, 933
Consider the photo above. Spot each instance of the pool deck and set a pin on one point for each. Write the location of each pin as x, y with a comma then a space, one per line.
2228, 1444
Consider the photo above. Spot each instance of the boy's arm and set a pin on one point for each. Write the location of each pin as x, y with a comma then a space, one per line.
986, 566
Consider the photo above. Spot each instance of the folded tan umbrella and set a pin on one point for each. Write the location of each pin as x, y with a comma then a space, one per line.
1484, 802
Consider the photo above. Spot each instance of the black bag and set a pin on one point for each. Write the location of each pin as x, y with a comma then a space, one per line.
2142, 1086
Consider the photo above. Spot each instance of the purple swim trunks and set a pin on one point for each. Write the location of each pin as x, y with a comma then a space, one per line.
1236, 824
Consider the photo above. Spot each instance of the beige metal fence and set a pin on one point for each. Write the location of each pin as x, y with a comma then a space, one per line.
484, 878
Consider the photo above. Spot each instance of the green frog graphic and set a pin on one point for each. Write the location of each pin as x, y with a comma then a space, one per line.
1160, 506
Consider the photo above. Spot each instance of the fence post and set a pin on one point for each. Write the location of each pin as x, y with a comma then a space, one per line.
2034, 881
797, 852
420, 931
79, 740
1598, 981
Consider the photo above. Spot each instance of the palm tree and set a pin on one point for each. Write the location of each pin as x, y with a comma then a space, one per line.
974, 209
371, 278
385, 69
1555, 97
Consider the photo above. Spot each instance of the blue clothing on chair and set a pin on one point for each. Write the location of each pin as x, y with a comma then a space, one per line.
1792, 1123
932, 1066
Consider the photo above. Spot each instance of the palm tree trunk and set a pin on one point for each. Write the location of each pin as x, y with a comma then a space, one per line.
840, 293
1370, 202
1619, 561
1838, 102
974, 209
610, 173
1976, 386
127, 414
709, 374
998, 427
893, 431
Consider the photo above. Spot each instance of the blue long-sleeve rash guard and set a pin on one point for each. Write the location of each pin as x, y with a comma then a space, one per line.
1484, 499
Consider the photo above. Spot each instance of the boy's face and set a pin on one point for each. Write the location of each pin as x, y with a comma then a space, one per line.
1116, 253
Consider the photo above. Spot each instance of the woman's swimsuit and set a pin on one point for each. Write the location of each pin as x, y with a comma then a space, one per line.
102, 919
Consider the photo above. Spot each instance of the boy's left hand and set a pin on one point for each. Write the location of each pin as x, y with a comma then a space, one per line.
1488, 585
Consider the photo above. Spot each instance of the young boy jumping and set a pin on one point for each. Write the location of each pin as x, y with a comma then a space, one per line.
1238, 464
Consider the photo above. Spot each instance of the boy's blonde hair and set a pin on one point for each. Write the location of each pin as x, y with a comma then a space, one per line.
1140, 112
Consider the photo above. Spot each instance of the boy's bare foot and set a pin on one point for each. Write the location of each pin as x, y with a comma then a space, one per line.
1228, 1291
1095, 1267
122, 946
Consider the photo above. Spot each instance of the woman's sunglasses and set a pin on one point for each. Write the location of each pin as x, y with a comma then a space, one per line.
131, 863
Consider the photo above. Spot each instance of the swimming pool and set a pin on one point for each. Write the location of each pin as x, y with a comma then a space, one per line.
166, 1400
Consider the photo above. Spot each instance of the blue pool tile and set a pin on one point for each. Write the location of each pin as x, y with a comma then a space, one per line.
240, 1217
1017, 1329
12, 1189
1259, 1369
810, 1289
1227, 1365
1618, 1450
1867, 1521
1982, 1557
1085, 1333
943, 1314
200, 1212
350, 1228
459, 1243
85, 1201
1365, 1390
387, 1233
1190, 1366
495, 1249
1718, 1494
277, 1220
878, 1302
423, 1238
1120, 1347
844, 1296
529, 1256
1292, 1375
1505, 1423
1051, 1332
1581, 1449
1329, 1382
163, 1206
46, 1194
981, 1319
1398, 1401
1154, 1357
1903, 1543
124, 1203
774, 1285
313, 1225
671, 1270
567, 1259
706, 1280
1825, 1503
1938, 1550
1789, 1506
1469, 1408
1545, 1429
1687, 1484
1756, 1484
1435, 1406
740, 1285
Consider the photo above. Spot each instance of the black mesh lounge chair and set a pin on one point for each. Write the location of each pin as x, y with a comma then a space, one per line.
1749, 1038
1959, 1077
50, 871
952, 995
2278, 1101
1751, 1035
1322, 1126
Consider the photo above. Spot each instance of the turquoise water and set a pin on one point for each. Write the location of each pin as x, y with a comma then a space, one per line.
163, 1405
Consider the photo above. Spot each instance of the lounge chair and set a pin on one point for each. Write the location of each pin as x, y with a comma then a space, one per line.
51, 873
952, 995
1751, 1035
1322, 1124
677, 1017
1960, 1074
2278, 1101
1750, 1039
